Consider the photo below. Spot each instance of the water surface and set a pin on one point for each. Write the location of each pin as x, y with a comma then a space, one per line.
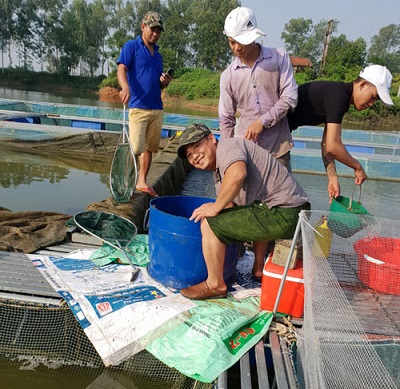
30, 182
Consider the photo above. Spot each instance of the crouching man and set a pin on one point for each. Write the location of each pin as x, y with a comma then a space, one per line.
257, 200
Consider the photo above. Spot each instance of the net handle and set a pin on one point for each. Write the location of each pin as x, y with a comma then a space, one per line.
352, 195
123, 123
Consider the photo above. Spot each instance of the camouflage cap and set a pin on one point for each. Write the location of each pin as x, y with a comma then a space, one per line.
193, 133
153, 19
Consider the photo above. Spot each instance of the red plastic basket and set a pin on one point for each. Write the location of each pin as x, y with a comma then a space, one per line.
379, 263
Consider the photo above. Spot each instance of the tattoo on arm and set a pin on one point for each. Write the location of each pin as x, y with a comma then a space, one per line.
330, 166
331, 169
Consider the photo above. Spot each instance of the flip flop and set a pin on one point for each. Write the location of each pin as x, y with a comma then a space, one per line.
149, 190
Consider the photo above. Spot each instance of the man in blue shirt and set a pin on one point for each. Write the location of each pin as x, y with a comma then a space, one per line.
141, 78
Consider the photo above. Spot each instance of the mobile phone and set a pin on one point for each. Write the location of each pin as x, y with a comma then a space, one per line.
171, 71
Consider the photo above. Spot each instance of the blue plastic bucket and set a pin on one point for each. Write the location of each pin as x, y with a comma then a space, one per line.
175, 252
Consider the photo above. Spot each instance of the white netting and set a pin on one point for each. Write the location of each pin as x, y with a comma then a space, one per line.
351, 332
44, 342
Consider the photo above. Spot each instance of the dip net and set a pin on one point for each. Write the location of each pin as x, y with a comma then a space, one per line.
123, 173
351, 332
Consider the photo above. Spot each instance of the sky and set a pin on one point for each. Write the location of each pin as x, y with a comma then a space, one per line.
357, 19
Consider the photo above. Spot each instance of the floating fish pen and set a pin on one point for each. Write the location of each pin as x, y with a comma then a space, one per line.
377, 151
350, 336
85, 117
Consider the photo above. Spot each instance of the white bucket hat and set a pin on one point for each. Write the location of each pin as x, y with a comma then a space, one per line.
241, 25
380, 77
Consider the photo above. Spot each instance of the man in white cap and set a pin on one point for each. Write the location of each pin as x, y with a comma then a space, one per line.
259, 87
326, 102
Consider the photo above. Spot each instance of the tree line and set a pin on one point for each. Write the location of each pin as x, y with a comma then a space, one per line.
82, 37
344, 58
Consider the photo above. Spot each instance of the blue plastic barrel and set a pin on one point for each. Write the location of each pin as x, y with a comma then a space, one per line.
175, 252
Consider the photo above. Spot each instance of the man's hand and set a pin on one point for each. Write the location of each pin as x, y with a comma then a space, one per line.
333, 188
254, 130
360, 174
125, 95
165, 79
205, 210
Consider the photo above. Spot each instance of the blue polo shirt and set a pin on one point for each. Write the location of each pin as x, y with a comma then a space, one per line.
144, 71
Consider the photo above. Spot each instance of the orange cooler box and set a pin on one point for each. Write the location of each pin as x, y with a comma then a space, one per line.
292, 297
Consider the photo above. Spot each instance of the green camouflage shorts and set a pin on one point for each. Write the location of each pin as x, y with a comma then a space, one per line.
255, 222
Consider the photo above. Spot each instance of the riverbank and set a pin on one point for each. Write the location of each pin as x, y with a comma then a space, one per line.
111, 95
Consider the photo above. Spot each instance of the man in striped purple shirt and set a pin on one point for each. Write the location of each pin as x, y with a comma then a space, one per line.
259, 88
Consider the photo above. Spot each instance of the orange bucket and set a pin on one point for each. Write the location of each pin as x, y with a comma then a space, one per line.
379, 263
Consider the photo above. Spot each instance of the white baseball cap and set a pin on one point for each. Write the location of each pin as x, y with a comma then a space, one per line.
380, 77
241, 25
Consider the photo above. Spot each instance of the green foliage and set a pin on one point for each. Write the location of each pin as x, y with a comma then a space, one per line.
207, 39
82, 35
345, 58
296, 34
385, 48
15, 77
195, 84
111, 81
303, 39
307, 75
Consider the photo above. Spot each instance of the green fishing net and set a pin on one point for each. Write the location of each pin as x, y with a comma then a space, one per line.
112, 229
123, 172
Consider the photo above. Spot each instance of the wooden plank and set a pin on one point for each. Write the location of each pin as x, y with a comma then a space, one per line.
262, 372
222, 382
279, 367
290, 372
245, 373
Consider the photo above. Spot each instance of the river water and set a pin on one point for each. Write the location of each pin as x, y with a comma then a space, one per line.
38, 183
35, 183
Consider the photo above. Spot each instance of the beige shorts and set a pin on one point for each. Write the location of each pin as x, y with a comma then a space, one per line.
145, 127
